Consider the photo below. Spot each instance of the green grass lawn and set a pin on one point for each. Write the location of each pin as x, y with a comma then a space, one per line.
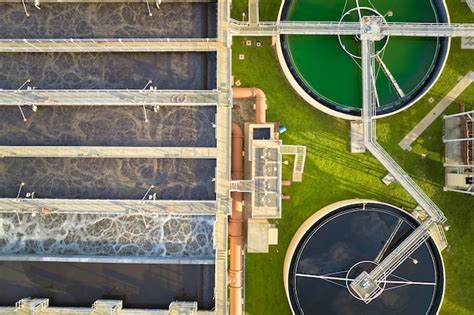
333, 174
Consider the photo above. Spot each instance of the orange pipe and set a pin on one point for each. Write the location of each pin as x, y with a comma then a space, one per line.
260, 101
286, 182
236, 221
236, 239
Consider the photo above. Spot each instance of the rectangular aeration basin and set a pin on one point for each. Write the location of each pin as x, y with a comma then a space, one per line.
108, 20
81, 284
175, 71
147, 260
131, 238
108, 178
170, 126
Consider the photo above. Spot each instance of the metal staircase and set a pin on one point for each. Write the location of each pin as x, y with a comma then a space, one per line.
300, 157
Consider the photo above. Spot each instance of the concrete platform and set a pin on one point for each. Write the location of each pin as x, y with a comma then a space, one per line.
260, 234
467, 43
357, 137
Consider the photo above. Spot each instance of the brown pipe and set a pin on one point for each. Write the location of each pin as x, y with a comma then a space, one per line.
286, 183
236, 225
236, 222
260, 101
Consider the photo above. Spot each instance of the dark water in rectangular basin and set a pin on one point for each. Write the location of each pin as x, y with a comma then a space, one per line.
81, 284
189, 71
108, 126
108, 178
108, 20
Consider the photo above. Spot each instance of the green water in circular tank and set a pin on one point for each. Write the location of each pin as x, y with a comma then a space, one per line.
336, 77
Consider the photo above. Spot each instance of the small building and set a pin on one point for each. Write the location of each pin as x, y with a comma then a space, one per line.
263, 182
458, 161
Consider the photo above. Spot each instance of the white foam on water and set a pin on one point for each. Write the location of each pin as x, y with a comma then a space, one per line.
116, 235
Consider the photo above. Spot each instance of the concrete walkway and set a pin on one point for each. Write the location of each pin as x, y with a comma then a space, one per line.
116, 97
109, 207
405, 144
109, 152
109, 45
253, 12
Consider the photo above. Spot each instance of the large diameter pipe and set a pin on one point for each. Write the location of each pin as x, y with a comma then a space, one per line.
236, 242
260, 101
236, 226
236, 239
237, 162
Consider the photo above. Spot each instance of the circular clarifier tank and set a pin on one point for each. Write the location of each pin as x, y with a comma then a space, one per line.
345, 239
326, 69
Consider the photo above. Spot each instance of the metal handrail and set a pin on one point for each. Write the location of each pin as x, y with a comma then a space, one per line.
352, 28
132, 97
436, 216
105, 39
108, 44
379, 153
